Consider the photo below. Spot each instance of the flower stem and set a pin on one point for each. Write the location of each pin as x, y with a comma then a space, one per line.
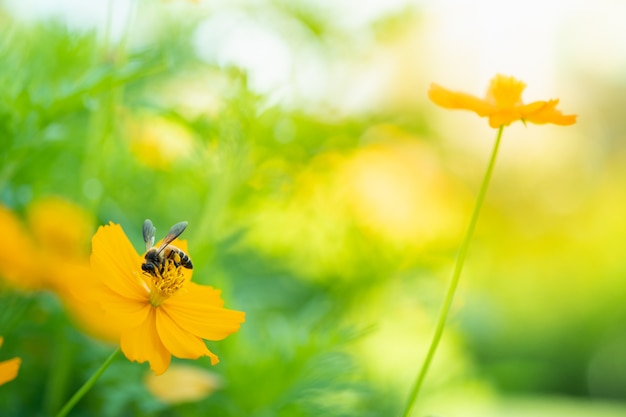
456, 273
87, 385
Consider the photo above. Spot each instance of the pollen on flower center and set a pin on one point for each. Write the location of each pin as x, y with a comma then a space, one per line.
166, 283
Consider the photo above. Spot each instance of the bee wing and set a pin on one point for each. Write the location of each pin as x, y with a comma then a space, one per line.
174, 232
148, 233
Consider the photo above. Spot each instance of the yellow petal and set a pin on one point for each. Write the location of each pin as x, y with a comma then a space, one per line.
9, 370
179, 342
549, 114
115, 260
82, 294
199, 312
456, 100
202, 295
17, 252
59, 226
503, 118
143, 344
128, 313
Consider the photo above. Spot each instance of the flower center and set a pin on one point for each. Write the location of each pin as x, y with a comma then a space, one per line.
166, 283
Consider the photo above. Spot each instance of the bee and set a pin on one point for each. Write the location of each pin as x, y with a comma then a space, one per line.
155, 258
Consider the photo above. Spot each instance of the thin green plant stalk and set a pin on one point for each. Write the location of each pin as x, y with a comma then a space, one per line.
87, 385
454, 281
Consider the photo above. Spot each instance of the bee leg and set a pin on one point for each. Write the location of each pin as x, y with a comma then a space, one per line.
176, 259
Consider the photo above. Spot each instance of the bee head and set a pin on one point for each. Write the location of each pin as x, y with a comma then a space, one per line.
152, 256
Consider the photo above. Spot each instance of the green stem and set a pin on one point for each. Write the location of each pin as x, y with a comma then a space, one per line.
454, 281
87, 385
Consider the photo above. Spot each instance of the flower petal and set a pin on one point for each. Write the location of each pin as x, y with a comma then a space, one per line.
131, 312
179, 342
199, 311
117, 262
9, 370
503, 118
82, 295
143, 343
456, 100
17, 252
549, 114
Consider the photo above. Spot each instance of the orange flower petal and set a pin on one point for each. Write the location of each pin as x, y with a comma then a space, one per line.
199, 311
17, 252
115, 259
143, 344
503, 118
129, 313
179, 342
9, 370
82, 294
531, 108
461, 101
549, 114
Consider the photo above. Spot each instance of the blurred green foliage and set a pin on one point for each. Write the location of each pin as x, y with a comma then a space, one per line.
67, 106
117, 128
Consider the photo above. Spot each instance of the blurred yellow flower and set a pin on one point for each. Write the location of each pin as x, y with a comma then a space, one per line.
502, 104
164, 316
60, 227
394, 186
158, 142
57, 232
182, 383
50, 252
17, 253
9, 368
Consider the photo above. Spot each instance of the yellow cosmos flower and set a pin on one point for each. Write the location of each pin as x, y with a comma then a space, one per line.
162, 316
502, 104
9, 368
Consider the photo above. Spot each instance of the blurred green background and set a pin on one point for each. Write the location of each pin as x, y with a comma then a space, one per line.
327, 198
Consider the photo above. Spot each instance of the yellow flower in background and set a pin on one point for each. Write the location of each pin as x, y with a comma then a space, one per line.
158, 142
395, 187
50, 252
17, 251
60, 227
502, 104
9, 368
56, 232
162, 316
183, 383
